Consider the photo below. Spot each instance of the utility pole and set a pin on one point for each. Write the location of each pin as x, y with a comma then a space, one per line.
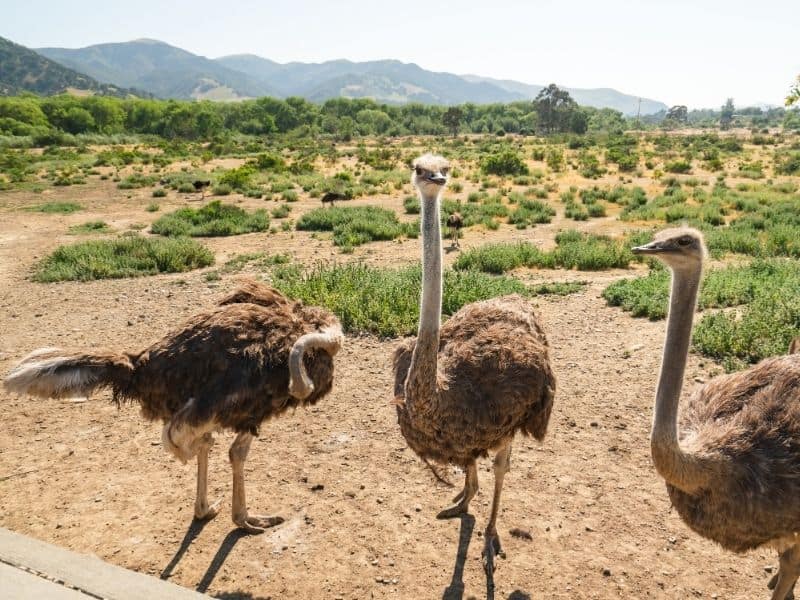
639, 112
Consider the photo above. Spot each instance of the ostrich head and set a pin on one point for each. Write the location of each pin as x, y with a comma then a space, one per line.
680, 248
429, 174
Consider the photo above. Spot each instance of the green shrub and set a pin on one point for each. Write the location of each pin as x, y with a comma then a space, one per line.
159, 193
281, 211
385, 301
353, 226
128, 256
574, 250
506, 162
213, 219
60, 208
89, 227
411, 205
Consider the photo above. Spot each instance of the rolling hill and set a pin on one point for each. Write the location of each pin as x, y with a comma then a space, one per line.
170, 72
163, 70
23, 70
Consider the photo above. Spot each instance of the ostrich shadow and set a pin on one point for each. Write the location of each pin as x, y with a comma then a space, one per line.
455, 591
219, 559
195, 527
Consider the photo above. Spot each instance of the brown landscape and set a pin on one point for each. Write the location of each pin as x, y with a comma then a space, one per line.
359, 507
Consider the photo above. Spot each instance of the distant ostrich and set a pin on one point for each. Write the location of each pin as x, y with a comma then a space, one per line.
733, 469
794, 347
331, 197
454, 224
200, 185
249, 359
468, 387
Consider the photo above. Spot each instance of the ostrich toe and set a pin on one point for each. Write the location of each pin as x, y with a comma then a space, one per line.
458, 509
257, 523
491, 549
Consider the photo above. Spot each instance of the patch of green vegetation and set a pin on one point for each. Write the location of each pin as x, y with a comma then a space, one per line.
531, 212
58, 208
385, 301
353, 226
137, 180
574, 250
768, 317
90, 227
127, 256
213, 219
281, 211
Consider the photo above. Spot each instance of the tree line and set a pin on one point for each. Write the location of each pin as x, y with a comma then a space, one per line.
552, 111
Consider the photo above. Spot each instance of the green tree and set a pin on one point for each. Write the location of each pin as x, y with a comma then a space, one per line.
794, 93
78, 120
676, 116
554, 108
726, 114
452, 119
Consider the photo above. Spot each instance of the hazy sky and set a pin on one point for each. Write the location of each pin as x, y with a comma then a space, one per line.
695, 52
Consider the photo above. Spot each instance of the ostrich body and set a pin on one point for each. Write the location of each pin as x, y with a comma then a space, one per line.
454, 224
733, 468
252, 357
467, 387
331, 197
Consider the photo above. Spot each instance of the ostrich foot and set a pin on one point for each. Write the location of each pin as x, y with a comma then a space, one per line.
207, 512
491, 549
256, 523
458, 509
774, 581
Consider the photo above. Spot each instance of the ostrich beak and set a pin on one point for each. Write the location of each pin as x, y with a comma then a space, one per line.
651, 248
437, 178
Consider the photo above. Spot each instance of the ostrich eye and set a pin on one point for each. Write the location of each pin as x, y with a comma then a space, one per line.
418, 170
684, 241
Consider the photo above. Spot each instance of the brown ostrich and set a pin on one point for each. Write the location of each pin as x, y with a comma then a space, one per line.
331, 197
466, 388
454, 224
732, 469
200, 185
252, 357
794, 347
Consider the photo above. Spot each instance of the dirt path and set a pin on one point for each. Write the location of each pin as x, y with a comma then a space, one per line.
94, 479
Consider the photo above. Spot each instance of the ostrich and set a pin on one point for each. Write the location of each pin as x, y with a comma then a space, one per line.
733, 469
454, 224
331, 197
200, 185
794, 347
467, 387
250, 358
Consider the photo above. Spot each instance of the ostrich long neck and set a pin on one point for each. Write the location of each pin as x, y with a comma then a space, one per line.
681, 469
421, 382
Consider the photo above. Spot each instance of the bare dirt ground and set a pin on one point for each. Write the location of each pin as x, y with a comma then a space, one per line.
92, 478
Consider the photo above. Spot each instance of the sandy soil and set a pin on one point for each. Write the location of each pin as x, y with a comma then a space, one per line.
359, 506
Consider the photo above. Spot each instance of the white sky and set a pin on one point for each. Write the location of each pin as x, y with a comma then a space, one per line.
678, 51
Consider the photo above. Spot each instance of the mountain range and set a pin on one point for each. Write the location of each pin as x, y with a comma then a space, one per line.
22, 69
169, 72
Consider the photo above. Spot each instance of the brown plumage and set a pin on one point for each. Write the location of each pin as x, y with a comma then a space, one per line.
250, 358
331, 197
494, 379
465, 388
454, 224
732, 467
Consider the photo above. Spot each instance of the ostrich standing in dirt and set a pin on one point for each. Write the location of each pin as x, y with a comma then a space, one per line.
249, 359
466, 388
454, 224
733, 469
